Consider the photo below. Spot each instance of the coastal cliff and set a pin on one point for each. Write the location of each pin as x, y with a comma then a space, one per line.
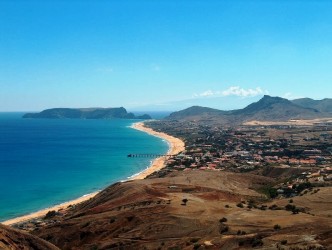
88, 113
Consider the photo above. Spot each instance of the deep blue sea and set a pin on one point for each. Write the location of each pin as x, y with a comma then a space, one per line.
45, 162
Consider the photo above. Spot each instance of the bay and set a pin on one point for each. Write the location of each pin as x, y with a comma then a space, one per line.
47, 162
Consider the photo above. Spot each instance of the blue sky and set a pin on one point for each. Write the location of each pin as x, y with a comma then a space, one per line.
162, 55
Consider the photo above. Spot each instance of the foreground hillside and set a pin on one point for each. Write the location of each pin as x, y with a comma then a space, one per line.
12, 239
189, 210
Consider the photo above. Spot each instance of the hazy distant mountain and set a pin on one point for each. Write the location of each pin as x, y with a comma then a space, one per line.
89, 113
220, 103
324, 105
266, 109
196, 111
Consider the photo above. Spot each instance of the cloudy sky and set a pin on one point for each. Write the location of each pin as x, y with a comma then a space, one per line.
162, 54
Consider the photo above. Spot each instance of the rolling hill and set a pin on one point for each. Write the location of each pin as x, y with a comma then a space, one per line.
266, 109
189, 210
324, 105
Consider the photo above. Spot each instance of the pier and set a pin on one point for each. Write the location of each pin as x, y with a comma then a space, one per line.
148, 155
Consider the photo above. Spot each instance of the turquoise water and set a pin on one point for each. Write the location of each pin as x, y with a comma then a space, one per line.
47, 162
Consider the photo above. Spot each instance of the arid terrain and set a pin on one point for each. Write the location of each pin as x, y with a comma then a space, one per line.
16, 239
193, 210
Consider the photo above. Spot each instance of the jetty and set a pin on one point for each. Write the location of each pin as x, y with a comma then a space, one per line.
149, 155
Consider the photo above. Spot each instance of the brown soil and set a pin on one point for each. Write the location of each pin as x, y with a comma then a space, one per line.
185, 210
11, 239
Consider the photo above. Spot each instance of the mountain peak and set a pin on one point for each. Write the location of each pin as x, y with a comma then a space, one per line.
268, 108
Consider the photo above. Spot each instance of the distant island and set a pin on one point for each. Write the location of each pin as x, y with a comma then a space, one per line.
86, 113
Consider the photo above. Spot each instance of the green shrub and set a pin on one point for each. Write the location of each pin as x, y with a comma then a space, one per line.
223, 220
223, 228
256, 241
196, 245
239, 205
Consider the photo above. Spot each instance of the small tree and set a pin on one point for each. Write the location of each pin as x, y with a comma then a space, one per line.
50, 214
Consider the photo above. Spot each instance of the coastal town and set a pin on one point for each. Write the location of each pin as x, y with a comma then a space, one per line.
303, 152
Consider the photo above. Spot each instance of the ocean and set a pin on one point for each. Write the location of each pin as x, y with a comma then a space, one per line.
45, 162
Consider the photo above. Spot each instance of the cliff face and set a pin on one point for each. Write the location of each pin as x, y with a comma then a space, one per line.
92, 113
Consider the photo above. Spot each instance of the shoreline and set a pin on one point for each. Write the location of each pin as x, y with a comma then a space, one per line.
175, 147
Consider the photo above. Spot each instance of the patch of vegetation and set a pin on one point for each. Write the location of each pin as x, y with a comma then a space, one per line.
269, 191
223, 228
223, 220
290, 207
263, 207
256, 241
50, 214
240, 205
240, 232
194, 240
277, 227
283, 242
302, 186
197, 245
273, 207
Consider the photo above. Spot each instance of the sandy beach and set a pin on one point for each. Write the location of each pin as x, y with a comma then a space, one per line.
175, 145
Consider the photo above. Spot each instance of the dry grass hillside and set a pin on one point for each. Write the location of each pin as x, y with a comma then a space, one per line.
193, 210
11, 239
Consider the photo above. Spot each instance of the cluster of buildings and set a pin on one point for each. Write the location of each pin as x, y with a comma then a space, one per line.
307, 150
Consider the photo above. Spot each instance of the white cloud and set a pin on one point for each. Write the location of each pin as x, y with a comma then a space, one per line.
233, 91
291, 96
207, 93
237, 91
